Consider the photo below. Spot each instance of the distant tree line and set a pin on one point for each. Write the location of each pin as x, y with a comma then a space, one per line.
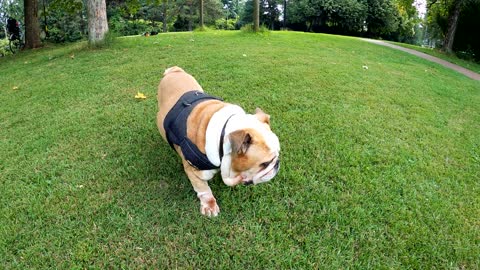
451, 24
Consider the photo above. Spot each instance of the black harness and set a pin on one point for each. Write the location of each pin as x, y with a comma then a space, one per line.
175, 125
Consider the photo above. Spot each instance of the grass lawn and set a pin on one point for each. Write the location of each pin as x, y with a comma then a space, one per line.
380, 166
452, 58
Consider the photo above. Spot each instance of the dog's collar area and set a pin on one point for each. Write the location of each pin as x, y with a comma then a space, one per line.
222, 138
216, 145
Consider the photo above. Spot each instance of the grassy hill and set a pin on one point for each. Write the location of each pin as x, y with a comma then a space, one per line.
380, 166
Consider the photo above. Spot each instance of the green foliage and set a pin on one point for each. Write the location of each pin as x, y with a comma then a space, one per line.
134, 17
65, 27
68, 6
10, 9
466, 42
203, 29
224, 24
125, 27
382, 18
376, 18
248, 29
4, 49
269, 13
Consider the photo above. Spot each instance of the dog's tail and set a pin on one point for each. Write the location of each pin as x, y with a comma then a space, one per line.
173, 69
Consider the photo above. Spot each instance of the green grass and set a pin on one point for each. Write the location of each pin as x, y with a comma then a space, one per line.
380, 166
452, 58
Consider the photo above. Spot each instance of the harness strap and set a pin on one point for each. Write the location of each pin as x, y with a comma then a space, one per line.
175, 125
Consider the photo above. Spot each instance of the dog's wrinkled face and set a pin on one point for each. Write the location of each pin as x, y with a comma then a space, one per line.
255, 151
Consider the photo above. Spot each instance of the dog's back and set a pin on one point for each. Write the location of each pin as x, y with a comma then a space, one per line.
174, 84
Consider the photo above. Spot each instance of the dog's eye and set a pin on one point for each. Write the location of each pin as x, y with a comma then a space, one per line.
264, 164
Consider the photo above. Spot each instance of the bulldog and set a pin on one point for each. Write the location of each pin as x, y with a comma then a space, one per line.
211, 135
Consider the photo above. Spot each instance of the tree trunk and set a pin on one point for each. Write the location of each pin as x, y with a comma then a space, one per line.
201, 13
164, 19
190, 17
256, 15
452, 27
97, 21
32, 27
284, 14
45, 29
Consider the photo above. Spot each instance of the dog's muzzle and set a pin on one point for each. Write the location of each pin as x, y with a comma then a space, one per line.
267, 174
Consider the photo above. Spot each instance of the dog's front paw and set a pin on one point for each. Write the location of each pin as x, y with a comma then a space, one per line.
208, 205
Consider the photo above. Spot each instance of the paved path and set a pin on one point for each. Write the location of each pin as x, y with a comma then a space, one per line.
444, 63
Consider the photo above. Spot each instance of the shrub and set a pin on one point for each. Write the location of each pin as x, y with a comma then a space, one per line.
248, 28
4, 50
65, 27
223, 24
128, 28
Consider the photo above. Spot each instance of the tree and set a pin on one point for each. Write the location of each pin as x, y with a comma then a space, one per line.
445, 14
271, 13
256, 15
467, 41
452, 25
342, 16
382, 18
63, 20
165, 15
201, 13
268, 11
97, 21
32, 26
409, 29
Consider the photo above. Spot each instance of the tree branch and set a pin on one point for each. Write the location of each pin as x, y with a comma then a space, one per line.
429, 5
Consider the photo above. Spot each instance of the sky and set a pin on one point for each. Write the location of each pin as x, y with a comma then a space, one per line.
421, 6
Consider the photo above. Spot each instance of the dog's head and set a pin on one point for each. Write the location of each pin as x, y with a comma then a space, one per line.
255, 154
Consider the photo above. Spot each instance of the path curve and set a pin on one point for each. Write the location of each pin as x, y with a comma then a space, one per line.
437, 60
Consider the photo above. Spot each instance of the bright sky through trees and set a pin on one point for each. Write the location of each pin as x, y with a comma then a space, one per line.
421, 6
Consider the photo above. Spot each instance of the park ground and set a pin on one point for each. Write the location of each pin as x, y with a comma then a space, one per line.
380, 158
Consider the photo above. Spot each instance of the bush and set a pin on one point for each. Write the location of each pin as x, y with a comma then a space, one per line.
223, 24
202, 29
65, 27
467, 54
4, 49
248, 28
128, 28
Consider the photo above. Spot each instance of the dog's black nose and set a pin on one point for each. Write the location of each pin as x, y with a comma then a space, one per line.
248, 183
277, 165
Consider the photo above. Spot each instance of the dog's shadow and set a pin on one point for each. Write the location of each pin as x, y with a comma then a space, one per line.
157, 182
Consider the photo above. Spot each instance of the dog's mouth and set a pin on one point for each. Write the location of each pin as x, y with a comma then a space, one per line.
265, 175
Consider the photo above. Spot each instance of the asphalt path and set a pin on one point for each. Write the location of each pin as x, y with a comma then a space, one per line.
437, 60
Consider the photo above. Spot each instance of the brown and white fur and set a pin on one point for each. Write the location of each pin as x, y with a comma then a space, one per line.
251, 149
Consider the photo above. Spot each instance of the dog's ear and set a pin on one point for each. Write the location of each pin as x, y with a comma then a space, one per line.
240, 141
263, 117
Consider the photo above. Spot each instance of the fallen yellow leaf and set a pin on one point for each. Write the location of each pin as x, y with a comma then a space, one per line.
140, 96
15, 88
